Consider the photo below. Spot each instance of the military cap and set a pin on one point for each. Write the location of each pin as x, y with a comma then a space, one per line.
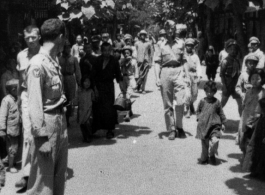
252, 57
127, 36
12, 82
190, 41
127, 48
95, 38
254, 40
162, 32
105, 35
142, 32
230, 42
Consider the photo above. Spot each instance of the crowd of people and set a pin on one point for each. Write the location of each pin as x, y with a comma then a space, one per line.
43, 84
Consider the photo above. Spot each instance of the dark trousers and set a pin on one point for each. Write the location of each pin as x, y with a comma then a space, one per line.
2, 167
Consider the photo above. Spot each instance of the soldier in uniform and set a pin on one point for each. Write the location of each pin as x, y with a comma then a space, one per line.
46, 97
170, 72
32, 38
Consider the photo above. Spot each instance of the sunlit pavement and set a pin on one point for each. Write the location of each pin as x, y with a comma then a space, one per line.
140, 160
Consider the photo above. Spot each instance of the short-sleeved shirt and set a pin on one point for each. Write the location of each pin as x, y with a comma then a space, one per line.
128, 67
144, 51
45, 90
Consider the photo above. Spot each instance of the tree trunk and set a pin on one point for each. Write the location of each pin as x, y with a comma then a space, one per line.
238, 19
114, 27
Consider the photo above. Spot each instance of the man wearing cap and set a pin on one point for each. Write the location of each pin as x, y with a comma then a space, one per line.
129, 42
105, 39
255, 44
170, 70
195, 72
144, 60
96, 51
75, 51
32, 38
46, 96
162, 38
229, 73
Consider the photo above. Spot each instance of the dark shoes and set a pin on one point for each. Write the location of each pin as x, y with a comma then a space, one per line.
181, 133
203, 162
212, 160
110, 134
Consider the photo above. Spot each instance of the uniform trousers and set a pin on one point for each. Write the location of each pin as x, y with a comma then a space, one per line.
209, 147
48, 174
173, 88
27, 137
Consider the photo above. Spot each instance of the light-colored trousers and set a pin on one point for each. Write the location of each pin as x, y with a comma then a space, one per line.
27, 136
173, 88
209, 147
48, 174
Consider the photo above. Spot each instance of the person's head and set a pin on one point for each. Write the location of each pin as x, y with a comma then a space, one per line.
189, 44
251, 62
85, 82
105, 37
11, 87
190, 35
81, 51
232, 47
117, 53
255, 43
32, 36
143, 35
88, 48
95, 41
162, 35
79, 39
181, 30
118, 37
127, 52
210, 89
67, 48
257, 78
53, 30
106, 49
128, 40
170, 27
210, 51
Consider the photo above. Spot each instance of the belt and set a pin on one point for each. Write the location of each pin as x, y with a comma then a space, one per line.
172, 64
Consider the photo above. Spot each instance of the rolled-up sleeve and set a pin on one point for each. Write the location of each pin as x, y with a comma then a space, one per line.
35, 82
3, 114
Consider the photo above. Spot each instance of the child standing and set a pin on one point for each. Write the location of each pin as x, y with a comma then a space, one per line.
251, 109
128, 70
211, 119
243, 83
86, 97
211, 61
9, 122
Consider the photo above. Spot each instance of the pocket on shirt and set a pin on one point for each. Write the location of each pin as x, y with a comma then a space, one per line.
54, 87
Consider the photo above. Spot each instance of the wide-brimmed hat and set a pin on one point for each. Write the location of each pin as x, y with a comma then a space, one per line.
127, 48
127, 36
252, 57
230, 42
12, 82
190, 41
254, 40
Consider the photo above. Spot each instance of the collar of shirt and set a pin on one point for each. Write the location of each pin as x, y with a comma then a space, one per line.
45, 53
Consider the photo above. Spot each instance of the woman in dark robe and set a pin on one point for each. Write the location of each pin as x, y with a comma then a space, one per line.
105, 70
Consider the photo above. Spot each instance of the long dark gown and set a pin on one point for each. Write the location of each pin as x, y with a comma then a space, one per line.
254, 160
105, 116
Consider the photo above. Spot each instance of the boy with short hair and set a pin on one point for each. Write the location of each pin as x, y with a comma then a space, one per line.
9, 121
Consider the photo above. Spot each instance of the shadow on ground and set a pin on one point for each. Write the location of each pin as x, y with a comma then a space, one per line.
244, 186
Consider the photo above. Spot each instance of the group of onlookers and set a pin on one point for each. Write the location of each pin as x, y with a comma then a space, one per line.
43, 80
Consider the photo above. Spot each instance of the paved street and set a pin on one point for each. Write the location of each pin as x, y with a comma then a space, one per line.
142, 161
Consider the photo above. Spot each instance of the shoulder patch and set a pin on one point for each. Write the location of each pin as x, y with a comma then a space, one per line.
36, 72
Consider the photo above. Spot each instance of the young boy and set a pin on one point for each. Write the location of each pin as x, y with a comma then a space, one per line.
243, 83
9, 122
128, 69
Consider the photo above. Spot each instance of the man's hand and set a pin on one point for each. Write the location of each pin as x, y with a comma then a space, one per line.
44, 145
158, 83
223, 127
